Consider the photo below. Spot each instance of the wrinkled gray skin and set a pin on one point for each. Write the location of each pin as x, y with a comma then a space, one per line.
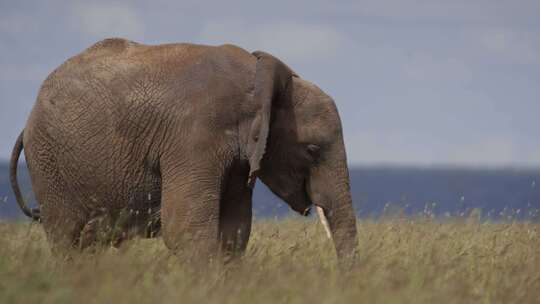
172, 137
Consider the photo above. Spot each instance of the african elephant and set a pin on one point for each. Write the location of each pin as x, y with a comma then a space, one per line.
173, 137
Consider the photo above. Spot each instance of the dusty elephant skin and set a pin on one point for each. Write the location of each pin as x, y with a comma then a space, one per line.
135, 138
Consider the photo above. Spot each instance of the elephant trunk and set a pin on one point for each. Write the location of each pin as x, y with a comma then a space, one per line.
340, 222
330, 192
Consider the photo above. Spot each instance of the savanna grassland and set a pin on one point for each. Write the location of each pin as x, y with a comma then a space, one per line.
401, 260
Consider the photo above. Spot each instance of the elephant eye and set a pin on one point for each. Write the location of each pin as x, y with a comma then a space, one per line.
313, 151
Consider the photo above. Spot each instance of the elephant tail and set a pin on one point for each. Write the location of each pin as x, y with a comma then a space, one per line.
30, 212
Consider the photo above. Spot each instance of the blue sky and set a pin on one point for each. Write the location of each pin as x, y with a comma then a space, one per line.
416, 82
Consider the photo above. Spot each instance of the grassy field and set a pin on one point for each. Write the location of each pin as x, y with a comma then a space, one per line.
290, 261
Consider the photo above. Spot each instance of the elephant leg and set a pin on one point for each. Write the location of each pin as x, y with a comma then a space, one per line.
236, 214
101, 229
61, 219
190, 208
89, 233
62, 225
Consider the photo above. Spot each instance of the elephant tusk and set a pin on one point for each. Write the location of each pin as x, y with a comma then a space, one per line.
324, 221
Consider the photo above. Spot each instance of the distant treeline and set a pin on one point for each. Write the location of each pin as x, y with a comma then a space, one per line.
376, 191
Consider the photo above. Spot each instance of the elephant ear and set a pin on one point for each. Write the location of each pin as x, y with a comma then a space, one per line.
271, 80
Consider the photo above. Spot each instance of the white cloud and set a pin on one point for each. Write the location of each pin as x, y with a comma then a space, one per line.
17, 23
495, 150
511, 46
380, 147
291, 41
495, 41
426, 68
472, 12
107, 20
23, 72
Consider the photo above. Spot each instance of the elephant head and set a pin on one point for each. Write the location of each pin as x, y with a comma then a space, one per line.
296, 148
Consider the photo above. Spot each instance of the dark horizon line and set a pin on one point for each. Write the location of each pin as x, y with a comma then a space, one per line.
418, 166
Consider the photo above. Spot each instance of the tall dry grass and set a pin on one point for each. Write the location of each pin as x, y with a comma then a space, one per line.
415, 260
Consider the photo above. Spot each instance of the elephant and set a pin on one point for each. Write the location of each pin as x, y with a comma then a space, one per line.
169, 139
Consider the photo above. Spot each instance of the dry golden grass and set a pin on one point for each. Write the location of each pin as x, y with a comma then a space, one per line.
290, 261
